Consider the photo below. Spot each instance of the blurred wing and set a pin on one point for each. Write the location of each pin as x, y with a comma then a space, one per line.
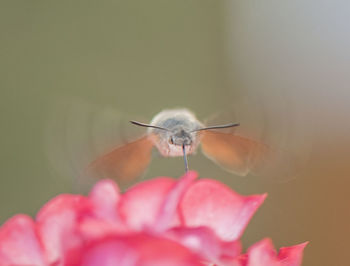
234, 153
77, 132
241, 155
124, 163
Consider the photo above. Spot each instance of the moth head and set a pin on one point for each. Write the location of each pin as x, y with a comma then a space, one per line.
181, 137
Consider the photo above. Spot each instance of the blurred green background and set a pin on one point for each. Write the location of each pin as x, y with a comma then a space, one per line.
283, 66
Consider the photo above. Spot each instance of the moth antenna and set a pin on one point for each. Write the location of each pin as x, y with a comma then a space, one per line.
185, 157
217, 127
146, 125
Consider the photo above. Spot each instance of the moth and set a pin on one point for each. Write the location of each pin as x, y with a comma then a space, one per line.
177, 132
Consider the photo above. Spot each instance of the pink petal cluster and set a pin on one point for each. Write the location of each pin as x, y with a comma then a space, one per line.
160, 222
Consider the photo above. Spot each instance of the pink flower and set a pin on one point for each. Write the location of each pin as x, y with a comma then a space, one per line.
162, 221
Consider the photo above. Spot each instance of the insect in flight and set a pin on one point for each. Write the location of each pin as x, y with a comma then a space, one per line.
178, 132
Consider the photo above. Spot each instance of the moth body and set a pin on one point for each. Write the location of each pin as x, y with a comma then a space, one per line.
180, 125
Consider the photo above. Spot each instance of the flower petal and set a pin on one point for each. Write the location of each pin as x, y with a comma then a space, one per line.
230, 251
263, 253
200, 240
169, 207
57, 222
140, 205
204, 242
210, 203
105, 198
90, 228
105, 252
19, 243
138, 249
293, 255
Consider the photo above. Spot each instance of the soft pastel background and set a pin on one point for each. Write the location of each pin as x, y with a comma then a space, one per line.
71, 68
